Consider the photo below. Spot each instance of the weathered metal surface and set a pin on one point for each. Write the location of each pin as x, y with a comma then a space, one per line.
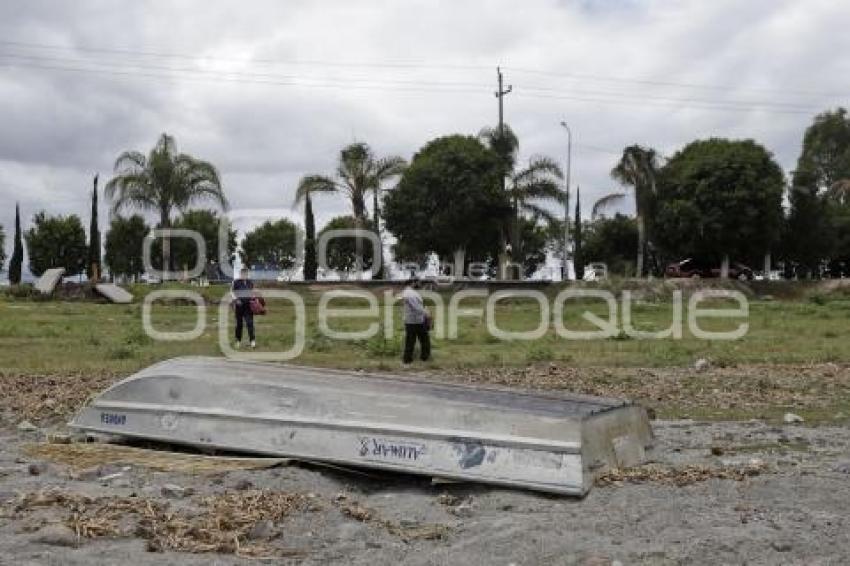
114, 293
545, 442
48, 281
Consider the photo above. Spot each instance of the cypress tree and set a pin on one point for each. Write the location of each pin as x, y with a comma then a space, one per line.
94, 259
18, 251
310, 261
578, 258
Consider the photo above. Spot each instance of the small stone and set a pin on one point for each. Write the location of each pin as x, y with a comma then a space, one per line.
702, 364
262, 530
717, 451
37, 468
781, 546
464, 510
791, 418
173, 491
243, 485
26, 426
842, 468
57, 535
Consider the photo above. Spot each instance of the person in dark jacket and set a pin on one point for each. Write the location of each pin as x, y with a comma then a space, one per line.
242, 290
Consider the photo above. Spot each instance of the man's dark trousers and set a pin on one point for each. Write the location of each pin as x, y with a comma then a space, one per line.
412, 333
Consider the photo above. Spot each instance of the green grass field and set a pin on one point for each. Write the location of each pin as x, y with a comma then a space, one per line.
794, 357
49, 337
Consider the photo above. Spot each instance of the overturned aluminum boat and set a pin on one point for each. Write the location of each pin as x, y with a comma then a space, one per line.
548, 442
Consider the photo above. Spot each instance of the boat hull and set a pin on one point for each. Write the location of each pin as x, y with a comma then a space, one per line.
553, 443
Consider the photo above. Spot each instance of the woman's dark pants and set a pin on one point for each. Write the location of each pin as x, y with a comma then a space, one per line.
244, 314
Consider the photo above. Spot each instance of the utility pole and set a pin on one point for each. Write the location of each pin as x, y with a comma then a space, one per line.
500, 94
567, 199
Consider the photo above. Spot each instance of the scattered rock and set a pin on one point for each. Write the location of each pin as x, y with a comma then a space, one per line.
791, 418
781, 546
702, 364
174, 491
243, 485
463, 510
448, 499
26, 426
262, 530
37, 468
57, 535
717, 450
842, 468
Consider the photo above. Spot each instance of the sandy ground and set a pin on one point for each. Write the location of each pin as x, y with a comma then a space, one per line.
795, 509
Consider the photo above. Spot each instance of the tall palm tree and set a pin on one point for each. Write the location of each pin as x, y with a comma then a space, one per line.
604, 202
638, 169
528, 189
162, 181
358, 173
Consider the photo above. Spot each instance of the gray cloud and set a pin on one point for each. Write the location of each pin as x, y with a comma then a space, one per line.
271, 90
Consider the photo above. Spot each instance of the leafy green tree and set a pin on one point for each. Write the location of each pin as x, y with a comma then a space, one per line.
448, 200
184, 251
94, 259
638, 169
341, 253
162, 181
271, 246
611, 241
718, 199
578, 253
529, 190
818, 195
124, 242
311, 265
358, 173
17, 261
57, 241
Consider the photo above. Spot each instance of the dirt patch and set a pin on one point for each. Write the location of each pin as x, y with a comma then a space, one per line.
682, 475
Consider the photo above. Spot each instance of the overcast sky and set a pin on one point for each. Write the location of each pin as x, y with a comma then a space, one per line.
271, 90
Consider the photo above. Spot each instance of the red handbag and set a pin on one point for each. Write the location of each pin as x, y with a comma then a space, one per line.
257, 305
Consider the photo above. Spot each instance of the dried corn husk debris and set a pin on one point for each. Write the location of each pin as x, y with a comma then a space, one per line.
221, 523
679, 476
82, 456
406, 532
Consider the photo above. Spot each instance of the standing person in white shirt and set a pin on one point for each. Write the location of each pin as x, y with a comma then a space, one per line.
416, 323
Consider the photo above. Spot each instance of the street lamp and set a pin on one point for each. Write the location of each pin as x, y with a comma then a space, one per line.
567, 199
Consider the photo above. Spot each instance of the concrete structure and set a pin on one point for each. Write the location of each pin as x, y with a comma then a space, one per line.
114, 293
548, 442
48, 281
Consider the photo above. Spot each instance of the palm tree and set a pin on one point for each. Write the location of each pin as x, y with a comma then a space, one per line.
162, 181
529, 189
358, 173
638, 169
604, 202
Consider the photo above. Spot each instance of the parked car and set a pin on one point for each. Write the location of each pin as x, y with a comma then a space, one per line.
692, 267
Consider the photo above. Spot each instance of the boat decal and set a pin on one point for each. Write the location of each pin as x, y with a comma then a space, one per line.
115, 419
390, 449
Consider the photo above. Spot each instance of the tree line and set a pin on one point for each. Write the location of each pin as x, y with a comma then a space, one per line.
468, 199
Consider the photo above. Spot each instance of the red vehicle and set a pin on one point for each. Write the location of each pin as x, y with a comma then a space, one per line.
696, 268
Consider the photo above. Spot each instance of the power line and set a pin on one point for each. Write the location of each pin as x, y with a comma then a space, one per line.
603, 97
409, 65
